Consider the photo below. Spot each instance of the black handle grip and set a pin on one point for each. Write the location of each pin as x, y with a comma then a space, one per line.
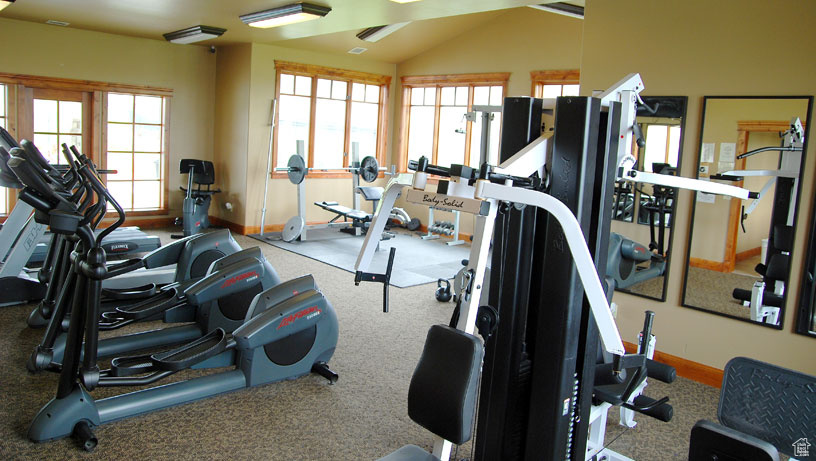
753, 194
663, 412
660, 371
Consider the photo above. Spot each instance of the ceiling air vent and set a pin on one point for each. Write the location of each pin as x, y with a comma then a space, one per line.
357, 50
57, 23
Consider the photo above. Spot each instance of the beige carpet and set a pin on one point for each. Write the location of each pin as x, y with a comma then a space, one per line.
363, 416
711, 290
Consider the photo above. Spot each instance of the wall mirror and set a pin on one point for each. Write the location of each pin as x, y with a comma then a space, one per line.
806, 319
642, 225
739, 251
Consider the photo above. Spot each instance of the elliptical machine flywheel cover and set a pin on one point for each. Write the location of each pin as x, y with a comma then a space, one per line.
293, 228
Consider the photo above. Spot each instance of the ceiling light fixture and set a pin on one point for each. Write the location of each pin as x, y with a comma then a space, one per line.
5, 3
288, 14
566, 9
357, 50
194, 34
54, 22
404, 1
373, 34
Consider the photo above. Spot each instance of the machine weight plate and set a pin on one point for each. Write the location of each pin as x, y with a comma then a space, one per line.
297, 169
369, 169
293, 228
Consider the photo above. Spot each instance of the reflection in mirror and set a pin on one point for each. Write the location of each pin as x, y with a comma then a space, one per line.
639, 255
740, 250
806, 320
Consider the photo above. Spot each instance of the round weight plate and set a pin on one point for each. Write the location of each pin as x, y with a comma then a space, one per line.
297, 169
293, 228
413, 224
369, 169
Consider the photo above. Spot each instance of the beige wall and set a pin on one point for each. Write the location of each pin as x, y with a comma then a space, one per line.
680, 51
519, 41
53, 51
232, 76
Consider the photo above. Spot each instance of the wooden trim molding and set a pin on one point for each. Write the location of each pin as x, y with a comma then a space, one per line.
747, 254
710, 265
498, 78
768, 126
688, 369
312, 69
556, 76
55, 83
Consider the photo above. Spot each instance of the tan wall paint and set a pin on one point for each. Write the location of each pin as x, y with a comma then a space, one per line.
232, 77
512, 42
78, 54
680, 51
282, 197
722, 115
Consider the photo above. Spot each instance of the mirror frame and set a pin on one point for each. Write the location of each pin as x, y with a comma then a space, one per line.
809, 111
807, 286
636, 196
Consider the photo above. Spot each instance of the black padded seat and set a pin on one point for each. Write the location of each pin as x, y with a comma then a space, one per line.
442, 393
371, 193
344, 211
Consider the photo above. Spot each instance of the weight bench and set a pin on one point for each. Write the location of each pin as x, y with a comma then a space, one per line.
359, 219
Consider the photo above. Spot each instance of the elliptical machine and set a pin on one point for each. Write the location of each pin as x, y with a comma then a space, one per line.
277, 340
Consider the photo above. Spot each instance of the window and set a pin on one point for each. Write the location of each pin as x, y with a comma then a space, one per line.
58, 118
435, 122
554, 83
135, 146
662, 145
329, 110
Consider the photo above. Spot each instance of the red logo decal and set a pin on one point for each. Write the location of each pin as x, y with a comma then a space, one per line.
238, 278
303, 313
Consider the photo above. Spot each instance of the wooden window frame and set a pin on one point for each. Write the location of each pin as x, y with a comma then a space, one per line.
350, 77
539, 78
440, 81
16, 112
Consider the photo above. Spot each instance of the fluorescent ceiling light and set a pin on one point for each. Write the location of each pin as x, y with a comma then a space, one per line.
373, 34
566, 9
288, 14
194, 34
5, 3
404, 1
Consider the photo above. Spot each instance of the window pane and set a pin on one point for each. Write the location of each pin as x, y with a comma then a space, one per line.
122, 192
120, 137
330, 127
303, 85
674, 145
3, 122
147, 166
571, 90
146, 194
462, 96
339, 90
448, 96
364, 127
3, 196
451, 140
148, 138
293, 125
417, 96
2, 103
495, 136
122, 163
45, 115
430, 96
550, 91
48, 146
70, 140
358, 92
372, 93
475, 140
496, 95
323, 88
420, 132
481, 95
120, 107
148, 109
70, 117
287, 84
655, 146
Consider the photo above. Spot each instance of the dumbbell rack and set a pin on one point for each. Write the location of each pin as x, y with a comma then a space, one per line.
431, 235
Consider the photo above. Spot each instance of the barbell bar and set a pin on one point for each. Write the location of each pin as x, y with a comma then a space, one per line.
297, 170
